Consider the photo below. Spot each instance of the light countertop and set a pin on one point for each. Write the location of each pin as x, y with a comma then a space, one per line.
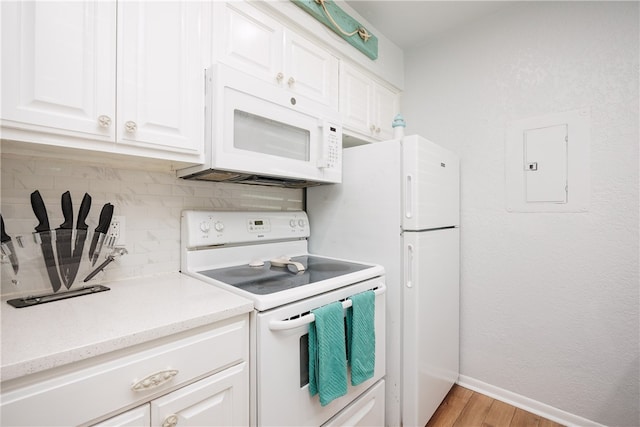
134, 311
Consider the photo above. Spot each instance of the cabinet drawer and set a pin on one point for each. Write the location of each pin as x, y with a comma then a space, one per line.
77, 396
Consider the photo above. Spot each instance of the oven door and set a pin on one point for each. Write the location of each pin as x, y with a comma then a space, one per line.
282, 367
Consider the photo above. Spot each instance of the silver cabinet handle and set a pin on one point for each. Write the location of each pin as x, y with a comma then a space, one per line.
279, 77
154, 380
170, 421
291, 81
130, 126
104, 121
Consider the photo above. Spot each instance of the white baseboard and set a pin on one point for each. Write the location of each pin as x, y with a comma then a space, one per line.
522, 402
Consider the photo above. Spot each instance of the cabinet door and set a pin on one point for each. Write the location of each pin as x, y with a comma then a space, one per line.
219, 400
355, 100
310, 70
58, 67
248, 40
385, 103
136, 417
161, 75
366, 106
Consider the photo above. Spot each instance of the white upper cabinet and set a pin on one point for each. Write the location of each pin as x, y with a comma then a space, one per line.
367, 107
386, 105
248, 40
58, 67
310, 70
254, 42
160, 74
74, 73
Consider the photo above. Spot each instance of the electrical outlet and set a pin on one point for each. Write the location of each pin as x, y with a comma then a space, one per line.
115, 234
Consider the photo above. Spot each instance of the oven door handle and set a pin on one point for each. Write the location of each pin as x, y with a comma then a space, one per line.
283, 325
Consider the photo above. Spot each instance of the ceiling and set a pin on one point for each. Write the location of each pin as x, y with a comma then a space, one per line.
410, 23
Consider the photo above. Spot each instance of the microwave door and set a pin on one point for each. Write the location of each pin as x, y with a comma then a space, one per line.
262, 135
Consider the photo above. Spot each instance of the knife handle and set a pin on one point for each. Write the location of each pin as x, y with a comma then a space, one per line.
5, 237
37, 204
105, 218
67, 210
85, 206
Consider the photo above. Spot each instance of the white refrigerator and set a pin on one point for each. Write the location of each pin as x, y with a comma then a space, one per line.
398, 206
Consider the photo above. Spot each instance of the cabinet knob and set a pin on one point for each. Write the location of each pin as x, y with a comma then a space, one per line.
377, 130
130, 126
170, 421
291, 81
279, 77
372, 128
104, 121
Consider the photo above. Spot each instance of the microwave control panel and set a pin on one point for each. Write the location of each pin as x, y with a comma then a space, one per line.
332, 147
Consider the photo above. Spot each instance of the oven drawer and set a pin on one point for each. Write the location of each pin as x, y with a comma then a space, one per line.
89, 390
367, 410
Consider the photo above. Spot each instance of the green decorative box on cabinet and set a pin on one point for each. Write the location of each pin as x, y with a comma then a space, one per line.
342, 24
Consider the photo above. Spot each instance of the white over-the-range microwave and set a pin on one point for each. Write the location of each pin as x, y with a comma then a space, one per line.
259, 133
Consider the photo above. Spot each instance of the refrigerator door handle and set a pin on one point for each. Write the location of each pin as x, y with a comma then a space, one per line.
409, 273
407, 196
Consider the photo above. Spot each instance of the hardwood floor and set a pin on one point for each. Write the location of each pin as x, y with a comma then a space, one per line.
466, 408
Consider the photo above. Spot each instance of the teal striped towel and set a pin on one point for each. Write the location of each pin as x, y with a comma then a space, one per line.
327, 353
361, 336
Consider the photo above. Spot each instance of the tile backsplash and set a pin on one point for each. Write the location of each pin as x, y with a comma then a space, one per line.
150, 201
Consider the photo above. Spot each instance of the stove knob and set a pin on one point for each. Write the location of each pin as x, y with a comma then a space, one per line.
292, 223
218, 226
204, 226
301, 222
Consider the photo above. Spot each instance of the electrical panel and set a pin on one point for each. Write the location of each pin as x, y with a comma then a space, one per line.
547, 163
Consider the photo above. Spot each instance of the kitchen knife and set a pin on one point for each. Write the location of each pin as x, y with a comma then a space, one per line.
81, 236
63, 238
44, 232
8, 249
100, 232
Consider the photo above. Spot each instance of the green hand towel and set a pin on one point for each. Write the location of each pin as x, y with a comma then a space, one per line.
362, 336
327, 353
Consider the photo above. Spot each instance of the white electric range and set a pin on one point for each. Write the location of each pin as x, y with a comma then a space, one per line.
263, 256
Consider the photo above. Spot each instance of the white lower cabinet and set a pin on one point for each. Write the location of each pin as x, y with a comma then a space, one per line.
199, 377
218, 400
136, 417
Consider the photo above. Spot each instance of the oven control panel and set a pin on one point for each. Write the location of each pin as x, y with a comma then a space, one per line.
259, 225
209, 228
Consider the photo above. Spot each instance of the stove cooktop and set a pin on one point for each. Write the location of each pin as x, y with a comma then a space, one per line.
268, 279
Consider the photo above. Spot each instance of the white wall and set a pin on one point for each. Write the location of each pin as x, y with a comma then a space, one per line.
151, 202
549, 302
